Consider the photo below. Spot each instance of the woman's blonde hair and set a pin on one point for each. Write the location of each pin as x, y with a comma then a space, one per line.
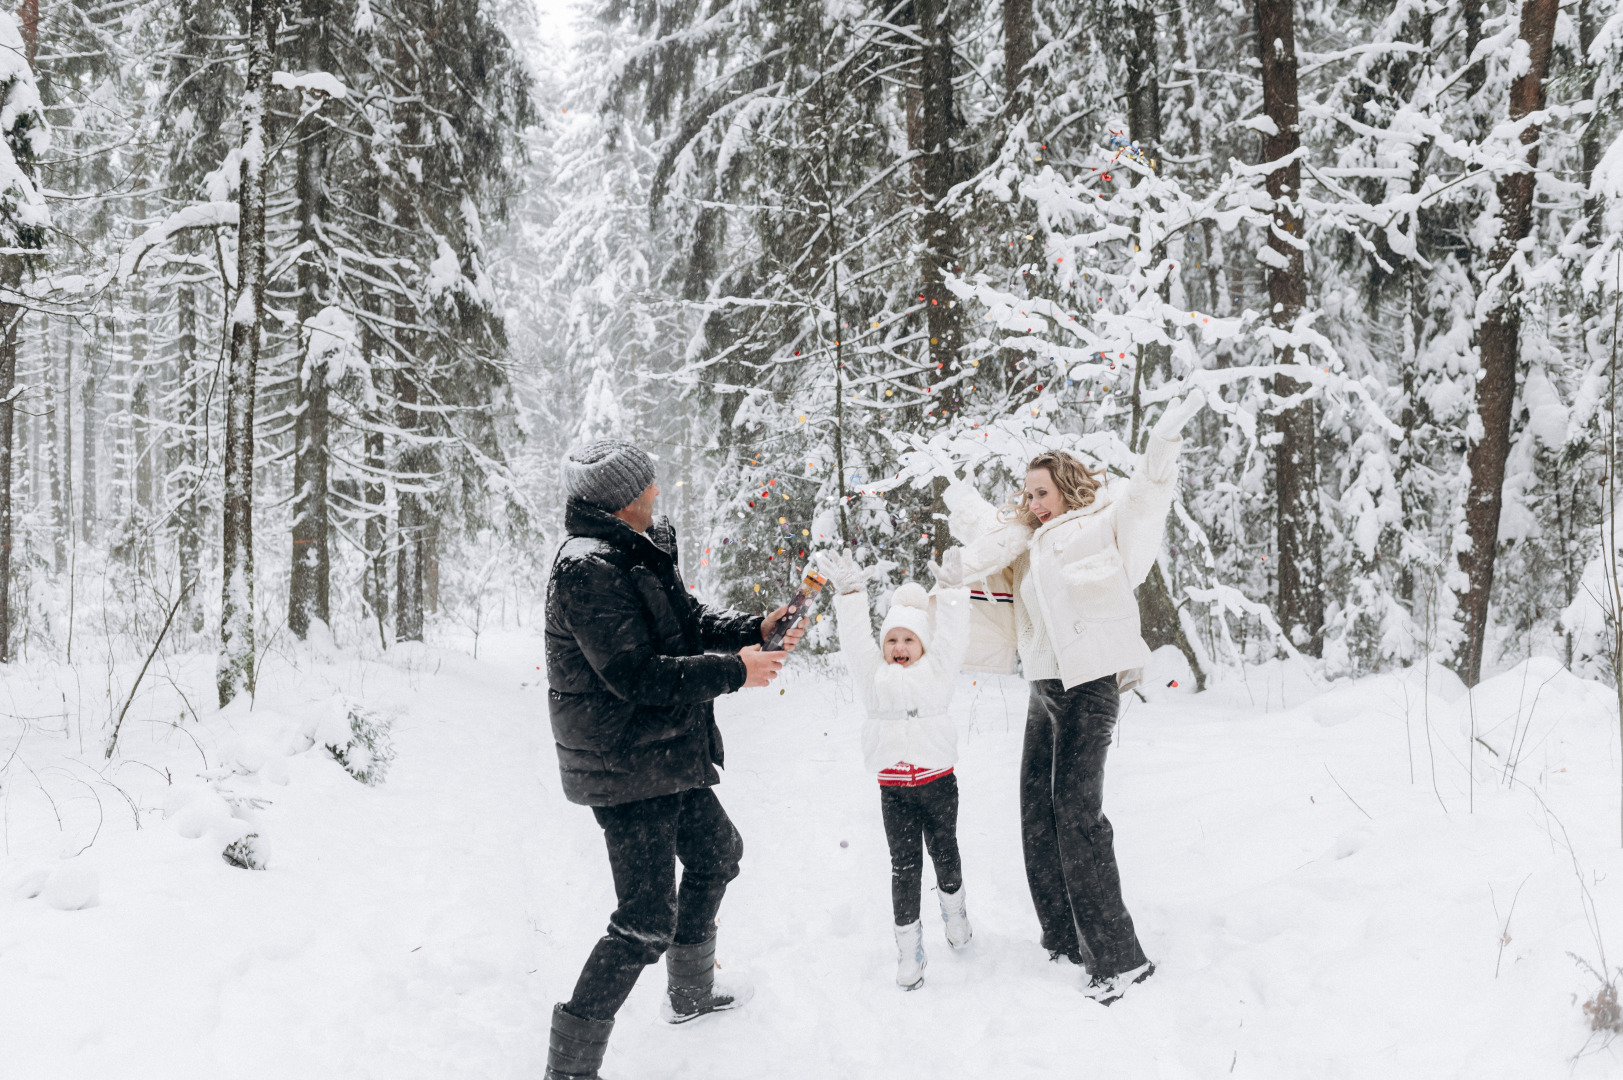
1075, 482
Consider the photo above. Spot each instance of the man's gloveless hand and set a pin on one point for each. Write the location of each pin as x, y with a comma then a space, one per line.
792, 638
760, 667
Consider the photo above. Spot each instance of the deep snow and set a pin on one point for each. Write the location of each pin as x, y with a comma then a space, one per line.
1312, 911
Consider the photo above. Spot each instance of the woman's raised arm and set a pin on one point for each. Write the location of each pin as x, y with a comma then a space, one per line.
990, 545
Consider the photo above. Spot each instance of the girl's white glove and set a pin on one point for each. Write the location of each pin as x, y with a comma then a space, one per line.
844, 573
950, 573
1179, 413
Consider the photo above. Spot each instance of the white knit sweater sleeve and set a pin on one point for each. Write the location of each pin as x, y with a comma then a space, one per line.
857, 644
969, 515
951, 628
990, 545
1142, 515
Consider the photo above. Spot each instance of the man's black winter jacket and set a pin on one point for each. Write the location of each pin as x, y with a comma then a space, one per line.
629, 682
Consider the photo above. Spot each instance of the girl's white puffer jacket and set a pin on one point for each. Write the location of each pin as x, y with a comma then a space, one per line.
1083, 564
907, 718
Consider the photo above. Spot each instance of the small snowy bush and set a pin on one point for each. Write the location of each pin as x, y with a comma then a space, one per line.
367, 754
244, 853
1603, 1010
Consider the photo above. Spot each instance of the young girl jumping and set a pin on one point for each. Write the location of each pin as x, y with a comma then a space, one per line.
905, 684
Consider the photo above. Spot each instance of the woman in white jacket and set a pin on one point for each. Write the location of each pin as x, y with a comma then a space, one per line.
905, 683
1076, 548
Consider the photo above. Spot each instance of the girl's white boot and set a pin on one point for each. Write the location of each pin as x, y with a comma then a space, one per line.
910, 955
956, 916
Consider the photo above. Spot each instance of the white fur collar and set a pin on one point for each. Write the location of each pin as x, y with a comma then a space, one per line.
1101, 499
905, 689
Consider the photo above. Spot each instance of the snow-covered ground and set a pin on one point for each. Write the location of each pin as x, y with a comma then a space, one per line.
1317, 903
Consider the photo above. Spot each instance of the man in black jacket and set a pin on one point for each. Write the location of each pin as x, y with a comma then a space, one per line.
630, 686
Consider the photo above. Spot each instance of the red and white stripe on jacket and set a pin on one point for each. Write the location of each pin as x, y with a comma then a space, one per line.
902, 774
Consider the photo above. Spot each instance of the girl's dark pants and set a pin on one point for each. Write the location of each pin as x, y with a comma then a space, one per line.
915, 817
645, 839
1070, 854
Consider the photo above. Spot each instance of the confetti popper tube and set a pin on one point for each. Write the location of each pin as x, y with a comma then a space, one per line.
803, 599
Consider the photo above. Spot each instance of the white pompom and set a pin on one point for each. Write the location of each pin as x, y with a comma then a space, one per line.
912, 595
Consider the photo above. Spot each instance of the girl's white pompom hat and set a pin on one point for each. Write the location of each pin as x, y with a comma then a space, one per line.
909, 609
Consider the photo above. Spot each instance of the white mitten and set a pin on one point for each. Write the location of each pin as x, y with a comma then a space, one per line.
844, 572
1179, 413
950, 573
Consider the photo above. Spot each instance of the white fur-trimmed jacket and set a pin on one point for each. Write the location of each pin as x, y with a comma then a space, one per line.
1080, 568
907, 718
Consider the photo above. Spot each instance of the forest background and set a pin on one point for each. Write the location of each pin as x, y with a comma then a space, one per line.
304, 302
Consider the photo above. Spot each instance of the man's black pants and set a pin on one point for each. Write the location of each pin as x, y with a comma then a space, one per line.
923, 815
645, 838
1069, 844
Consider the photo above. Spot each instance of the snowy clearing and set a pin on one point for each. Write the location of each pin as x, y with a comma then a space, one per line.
1312, 911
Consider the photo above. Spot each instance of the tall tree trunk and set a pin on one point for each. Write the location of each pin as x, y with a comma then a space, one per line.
375, 490
827, 163
411, 474
57, 463
1589, 145
234, 672
1144, 128
308, 584
11, 317
28, 26
90, 431
1157, 610
1143, 80
188, 460
140, 393
431, 564
1018, 48
117, 428
376, 495
937, 130
141, 505
1499, 338
412, 459
410, 526
1478, 73
1413, 504
1301, 597
1211, 253
141, 412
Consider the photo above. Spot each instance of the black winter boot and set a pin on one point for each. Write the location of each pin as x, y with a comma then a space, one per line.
693, 992
576, 1048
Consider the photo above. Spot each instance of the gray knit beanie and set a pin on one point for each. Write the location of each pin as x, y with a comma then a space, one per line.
608, 474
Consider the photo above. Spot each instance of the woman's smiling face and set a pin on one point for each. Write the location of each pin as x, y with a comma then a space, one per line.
1042, 497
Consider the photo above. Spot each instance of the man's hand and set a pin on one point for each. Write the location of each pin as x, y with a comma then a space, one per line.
760, 668
791, 639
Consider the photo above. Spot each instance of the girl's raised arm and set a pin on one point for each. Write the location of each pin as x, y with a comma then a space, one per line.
855, 628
